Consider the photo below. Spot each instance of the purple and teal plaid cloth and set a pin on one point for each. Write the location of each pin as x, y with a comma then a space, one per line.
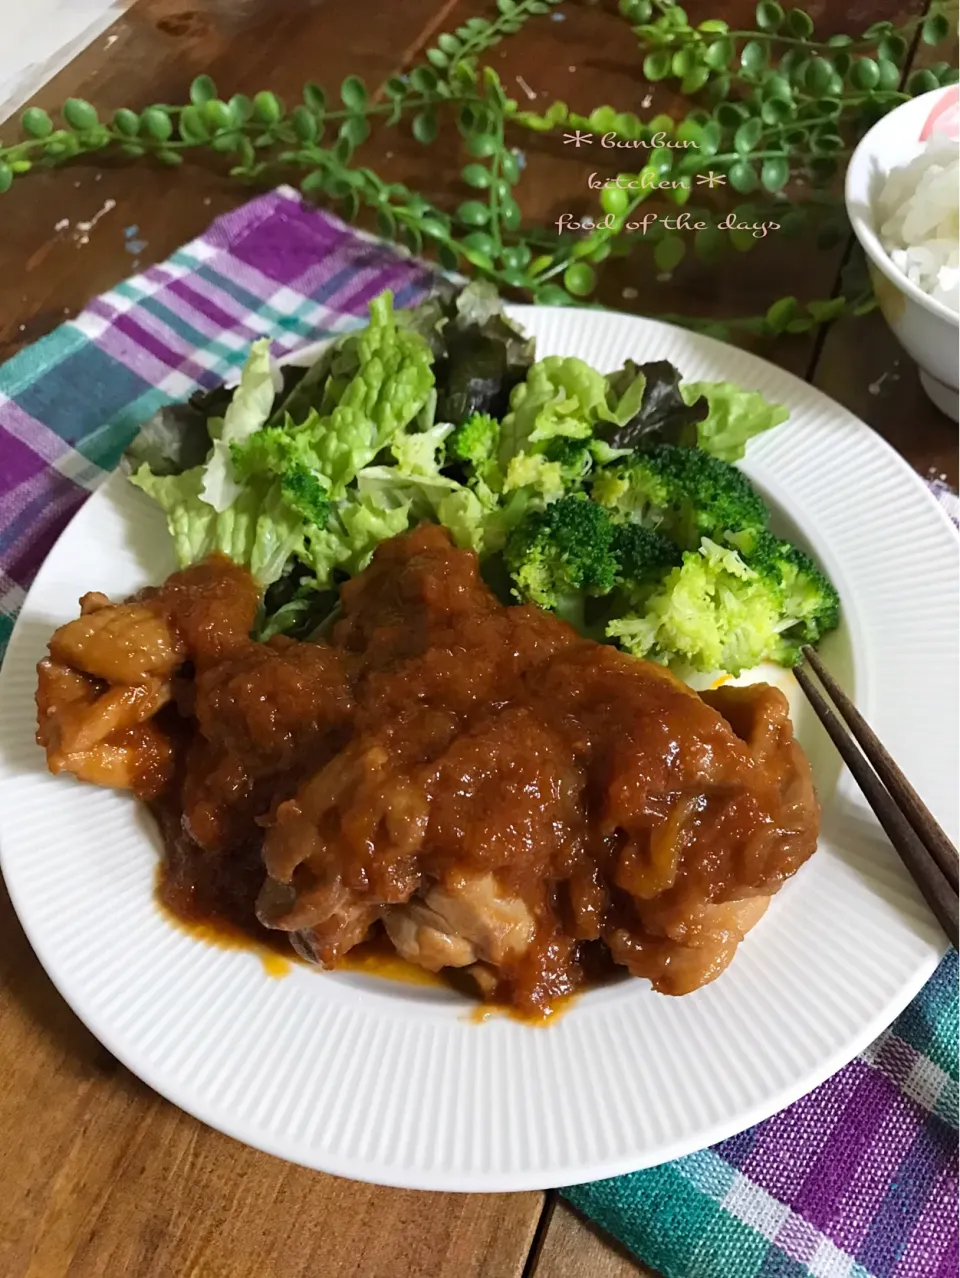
857, 1179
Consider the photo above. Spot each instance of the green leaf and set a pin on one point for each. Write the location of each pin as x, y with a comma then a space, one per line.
267, 107
79, 114
510, 166
356, 129
775, 110
893, 49
449, 44
202, 90
889, 75
387, 224
304, 123
36, 123
126, 122
482, 145
817, 76
481, 242
777, 87
719, 87
6, 177
353, 93
217, 114
719, 54
507, 7
826, 142
156, 123
781, 313
423, 79
226, 141
476, 175
747, 135
742, 177
753, 57
656, 66
580, 279
314, 97
935, 29
315, 181
775, 173
670, 252
424, 125
824, 312
710, 139
769, 15
682, 62
799, 24
515, 255
730, 114
170, 158
553, 295
694, 80
802, 324
473, 213
242, 107
510, 213
191, 125
133, 148
922, 82
395, 87
437, 58
865, 74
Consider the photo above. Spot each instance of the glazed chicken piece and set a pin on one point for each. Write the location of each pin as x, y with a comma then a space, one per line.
467, 920
265, 712
110, 671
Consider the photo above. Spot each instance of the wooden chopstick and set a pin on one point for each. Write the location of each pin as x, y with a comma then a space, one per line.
911, 805
882, 784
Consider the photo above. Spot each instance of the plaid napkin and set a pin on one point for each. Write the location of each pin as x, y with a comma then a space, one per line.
858, 1179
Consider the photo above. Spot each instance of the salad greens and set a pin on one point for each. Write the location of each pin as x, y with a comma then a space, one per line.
610, 499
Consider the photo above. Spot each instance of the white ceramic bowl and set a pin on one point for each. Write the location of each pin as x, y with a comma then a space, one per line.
928, 330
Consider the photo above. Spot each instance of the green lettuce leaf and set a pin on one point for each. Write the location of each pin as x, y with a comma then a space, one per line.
356, 527
258, 530
246, 413
562, 396
735, 416
391, 385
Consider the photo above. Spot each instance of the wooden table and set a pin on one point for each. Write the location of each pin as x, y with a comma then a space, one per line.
100, 1176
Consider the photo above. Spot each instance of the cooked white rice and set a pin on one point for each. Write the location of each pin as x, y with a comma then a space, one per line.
920, 220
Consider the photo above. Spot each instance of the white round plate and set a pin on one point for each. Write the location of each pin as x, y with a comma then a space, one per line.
395, 1083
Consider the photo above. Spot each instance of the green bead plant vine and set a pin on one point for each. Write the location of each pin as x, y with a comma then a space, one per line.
770, 112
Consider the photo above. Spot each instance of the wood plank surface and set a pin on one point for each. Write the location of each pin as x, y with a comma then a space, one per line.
102, 1177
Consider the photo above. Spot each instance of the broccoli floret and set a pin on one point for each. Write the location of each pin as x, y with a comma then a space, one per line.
559, 555
573, 456
808, 599
474, 441
642, 554
682, 492
720, 610
304, 493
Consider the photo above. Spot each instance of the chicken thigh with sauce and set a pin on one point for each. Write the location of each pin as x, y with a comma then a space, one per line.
478, 783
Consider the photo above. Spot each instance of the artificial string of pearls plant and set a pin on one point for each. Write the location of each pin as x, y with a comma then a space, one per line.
768, 106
